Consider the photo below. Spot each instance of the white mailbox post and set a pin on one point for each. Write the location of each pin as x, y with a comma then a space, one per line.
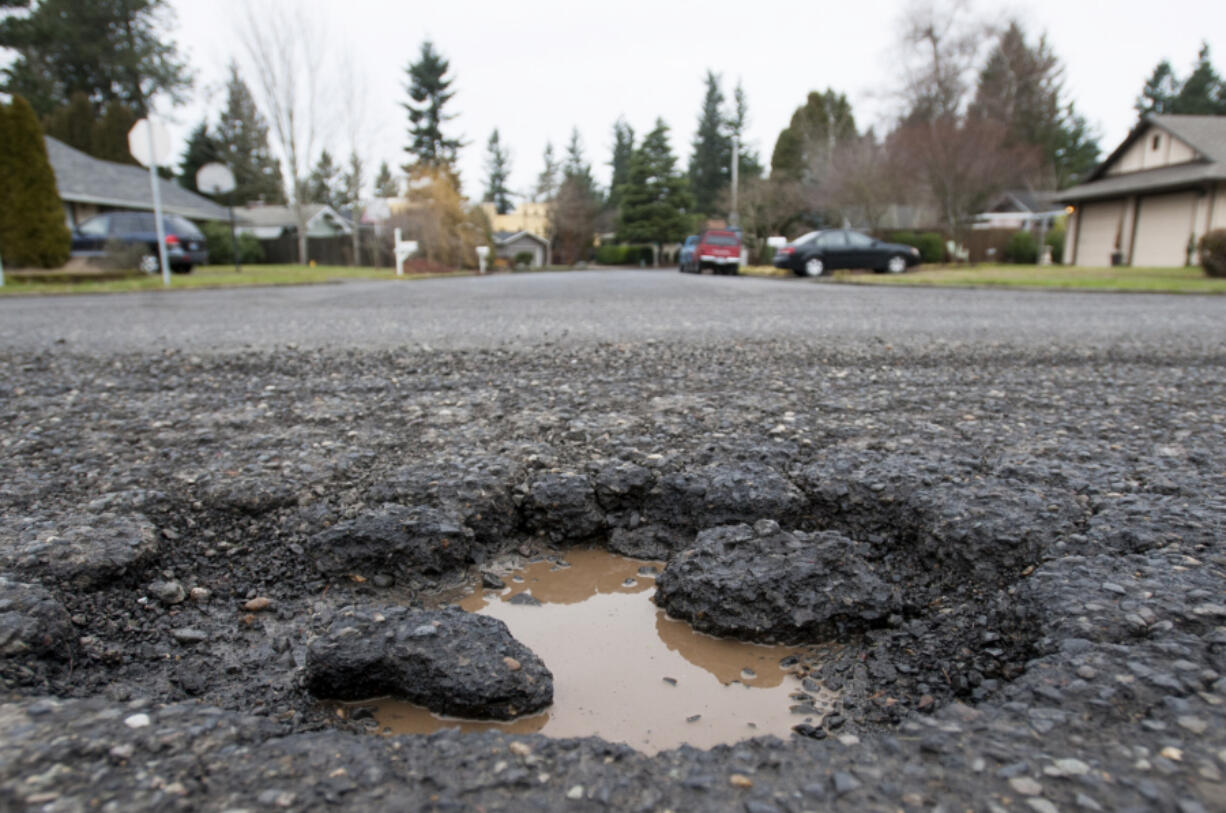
403, 249
482, 253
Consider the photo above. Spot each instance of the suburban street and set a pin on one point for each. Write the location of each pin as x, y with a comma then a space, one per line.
525, 310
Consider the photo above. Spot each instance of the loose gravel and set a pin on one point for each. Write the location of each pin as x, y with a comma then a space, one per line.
1017, 506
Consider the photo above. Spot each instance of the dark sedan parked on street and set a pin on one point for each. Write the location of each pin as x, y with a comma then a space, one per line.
817, 252
185, 244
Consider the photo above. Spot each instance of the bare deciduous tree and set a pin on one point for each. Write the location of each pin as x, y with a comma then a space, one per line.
864, 181
939, 42
961, 164
286, 52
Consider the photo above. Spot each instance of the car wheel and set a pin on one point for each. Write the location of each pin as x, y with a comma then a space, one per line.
896, 264
150, 264
185, 268
814, 267
734, 270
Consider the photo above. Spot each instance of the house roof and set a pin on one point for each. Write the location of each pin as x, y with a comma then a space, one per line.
503, 238
1205, 134
284, 217
82, 178
1024, 200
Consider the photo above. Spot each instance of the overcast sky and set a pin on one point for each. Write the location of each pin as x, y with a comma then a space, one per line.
536, 68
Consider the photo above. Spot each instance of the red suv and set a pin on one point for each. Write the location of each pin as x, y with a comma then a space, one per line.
717, 249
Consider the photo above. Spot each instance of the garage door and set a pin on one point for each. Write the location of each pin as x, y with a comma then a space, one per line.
1096, 229
1164, 225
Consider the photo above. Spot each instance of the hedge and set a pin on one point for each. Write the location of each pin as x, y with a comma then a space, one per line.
931, 244
221, 247
624, 255
1022, 248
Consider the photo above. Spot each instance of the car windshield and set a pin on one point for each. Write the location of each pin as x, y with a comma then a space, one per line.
721, 239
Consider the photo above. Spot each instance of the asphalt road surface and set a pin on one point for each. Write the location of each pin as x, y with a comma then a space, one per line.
618, 306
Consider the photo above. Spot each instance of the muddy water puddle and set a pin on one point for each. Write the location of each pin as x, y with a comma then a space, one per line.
623, 670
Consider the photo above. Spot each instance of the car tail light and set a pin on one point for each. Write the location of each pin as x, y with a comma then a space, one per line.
172, 240
787, 250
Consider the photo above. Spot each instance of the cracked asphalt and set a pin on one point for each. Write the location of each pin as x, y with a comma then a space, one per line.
994, 517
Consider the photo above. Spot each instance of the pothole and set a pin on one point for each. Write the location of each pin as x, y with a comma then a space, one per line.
623, 670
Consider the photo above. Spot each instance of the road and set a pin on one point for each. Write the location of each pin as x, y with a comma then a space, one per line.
619, 306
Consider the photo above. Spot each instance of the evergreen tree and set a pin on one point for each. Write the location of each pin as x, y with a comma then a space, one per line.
623, 151
110, 50
32, 228
242, 143
323, 185
576, 166
73, 123
749, 165
498, 170
201, 149
429, 94
349, 190
1202, 93
111, 134
385, 184
656, 199
806, 146
1020, 88
547, 181
710, 162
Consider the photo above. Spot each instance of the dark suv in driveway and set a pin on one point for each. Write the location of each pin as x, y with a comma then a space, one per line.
818, 252
185, 245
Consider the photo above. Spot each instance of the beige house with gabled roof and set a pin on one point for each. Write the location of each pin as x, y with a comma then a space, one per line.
1153, 198
529, 216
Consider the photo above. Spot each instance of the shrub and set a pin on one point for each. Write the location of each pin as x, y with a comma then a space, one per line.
1022, 248
523, 259
221, 247
32, 228
931, 244
1055, 239
1213, 253
121, 256
624, 254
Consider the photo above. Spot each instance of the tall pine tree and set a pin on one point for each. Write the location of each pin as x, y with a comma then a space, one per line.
110, 50
497, 172
805, 148
323, 185
656, 199
428, 96
242, 143
710, 170
385, 184
576, 166
1019, 87
623, 151
547, 181
1202, 93
201, 149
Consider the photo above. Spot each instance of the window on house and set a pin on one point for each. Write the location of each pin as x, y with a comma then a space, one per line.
1156, 141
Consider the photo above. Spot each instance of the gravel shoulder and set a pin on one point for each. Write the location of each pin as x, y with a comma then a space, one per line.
1020, 494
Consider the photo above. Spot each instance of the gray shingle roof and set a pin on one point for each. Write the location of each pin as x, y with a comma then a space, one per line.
1205, 134
82, 178
277, 215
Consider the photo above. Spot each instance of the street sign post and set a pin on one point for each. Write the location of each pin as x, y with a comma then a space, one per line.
149, 143
217, 179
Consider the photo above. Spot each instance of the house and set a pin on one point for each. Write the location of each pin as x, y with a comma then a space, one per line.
508, 244
1021, 209
89, 185
268, 222
1154, 197
529, 216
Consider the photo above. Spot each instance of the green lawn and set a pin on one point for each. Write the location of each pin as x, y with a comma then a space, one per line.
208, 276
1167, 280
